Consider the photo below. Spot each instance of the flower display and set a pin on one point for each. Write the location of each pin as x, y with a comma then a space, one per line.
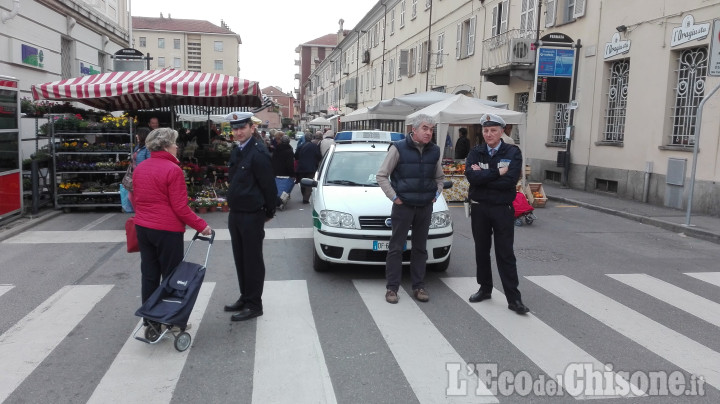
118, 122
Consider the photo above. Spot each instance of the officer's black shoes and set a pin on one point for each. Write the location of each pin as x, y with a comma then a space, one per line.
518, 307
237, 306
246, 314
479, 296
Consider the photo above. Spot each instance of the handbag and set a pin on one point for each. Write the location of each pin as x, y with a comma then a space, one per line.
131, 235
127, 179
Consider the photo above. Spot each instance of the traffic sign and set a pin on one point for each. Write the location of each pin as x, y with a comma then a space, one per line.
714, 69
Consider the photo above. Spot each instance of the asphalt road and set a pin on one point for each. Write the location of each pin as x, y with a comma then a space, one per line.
602, 291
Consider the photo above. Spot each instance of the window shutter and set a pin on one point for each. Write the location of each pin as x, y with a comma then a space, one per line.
504, 17
550, 13
471, 37
458, 42
494, 29
403, 63
579, 8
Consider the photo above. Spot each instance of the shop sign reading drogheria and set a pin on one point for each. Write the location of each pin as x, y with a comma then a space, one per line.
689, 31
616, 46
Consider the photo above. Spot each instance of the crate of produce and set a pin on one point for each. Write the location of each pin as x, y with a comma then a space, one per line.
539, 198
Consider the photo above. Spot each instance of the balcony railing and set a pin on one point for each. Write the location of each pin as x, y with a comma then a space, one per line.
498, 52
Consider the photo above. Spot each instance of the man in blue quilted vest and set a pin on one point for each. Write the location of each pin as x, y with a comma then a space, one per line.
411, 176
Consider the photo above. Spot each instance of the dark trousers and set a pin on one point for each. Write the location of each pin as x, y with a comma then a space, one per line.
160, 252
305, 191
247, 231
498, 222
402, 217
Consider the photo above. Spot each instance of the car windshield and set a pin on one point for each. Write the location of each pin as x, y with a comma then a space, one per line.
354, 168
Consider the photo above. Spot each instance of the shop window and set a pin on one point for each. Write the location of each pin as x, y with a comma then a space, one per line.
559, 123
689, 91
615, 112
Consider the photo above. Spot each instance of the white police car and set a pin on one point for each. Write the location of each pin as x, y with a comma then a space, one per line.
351, 214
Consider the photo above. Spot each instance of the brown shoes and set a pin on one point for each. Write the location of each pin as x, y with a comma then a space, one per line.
421, 295
391, 296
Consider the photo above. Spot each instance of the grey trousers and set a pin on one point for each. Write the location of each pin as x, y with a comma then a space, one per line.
404, 216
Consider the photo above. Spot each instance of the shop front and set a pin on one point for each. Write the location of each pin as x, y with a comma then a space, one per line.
10, 168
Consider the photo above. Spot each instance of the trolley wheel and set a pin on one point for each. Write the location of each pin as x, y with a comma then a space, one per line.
182, 341
529, 219
151, 334
518, 222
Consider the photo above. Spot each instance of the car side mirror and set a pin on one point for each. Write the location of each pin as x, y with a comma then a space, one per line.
447, 184
308, 182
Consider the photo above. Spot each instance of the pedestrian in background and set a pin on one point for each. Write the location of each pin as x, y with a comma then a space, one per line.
411, 176
283, 164
462, 145
308, 157
493, 169
327, 141
161, 210
251, 197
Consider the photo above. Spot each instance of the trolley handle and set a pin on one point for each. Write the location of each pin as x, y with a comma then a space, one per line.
210, 239
197, 236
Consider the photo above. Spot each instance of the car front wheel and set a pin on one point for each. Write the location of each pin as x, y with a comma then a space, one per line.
318, 264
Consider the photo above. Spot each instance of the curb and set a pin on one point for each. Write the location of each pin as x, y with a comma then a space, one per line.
674, 227
4, 235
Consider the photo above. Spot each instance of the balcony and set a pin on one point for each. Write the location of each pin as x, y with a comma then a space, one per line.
510, 54
297, 62
297, 76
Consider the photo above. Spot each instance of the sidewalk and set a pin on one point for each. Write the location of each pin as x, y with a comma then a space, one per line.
701, 226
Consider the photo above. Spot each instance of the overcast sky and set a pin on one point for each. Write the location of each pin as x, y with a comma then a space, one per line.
270, 29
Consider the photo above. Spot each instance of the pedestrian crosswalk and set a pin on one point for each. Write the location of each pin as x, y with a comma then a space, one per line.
291, 365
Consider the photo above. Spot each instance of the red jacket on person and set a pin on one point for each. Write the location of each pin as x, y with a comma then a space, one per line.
160, 195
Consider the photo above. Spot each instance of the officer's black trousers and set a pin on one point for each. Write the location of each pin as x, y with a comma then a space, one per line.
247, 231
495, 222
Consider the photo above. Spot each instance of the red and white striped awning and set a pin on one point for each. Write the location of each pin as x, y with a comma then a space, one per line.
148, 89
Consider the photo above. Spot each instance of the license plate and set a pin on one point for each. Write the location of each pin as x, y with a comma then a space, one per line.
384, 245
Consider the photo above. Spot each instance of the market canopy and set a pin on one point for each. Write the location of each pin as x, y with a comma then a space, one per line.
407, 104
320, 121
149, 89
463, 110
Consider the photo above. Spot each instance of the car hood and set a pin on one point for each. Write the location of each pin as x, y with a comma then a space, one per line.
363, 201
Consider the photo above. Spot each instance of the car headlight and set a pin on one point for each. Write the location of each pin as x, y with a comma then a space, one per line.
337, 219
440, 219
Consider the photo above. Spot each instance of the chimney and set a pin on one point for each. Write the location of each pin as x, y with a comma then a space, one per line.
168, 15
161, 16
340, 33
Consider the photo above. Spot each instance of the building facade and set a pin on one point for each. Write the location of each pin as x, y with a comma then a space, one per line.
310, 56
48, 40
284, 103
183, 44
641, 69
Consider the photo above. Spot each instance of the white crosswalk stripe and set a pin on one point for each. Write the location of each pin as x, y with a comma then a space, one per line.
291, 366
419, 348
24, 346
709, 277
289, 333
143, 372
698, 306
686, 353
547, 348
5, 288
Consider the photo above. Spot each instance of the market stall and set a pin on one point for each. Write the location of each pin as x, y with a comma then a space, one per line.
141, 90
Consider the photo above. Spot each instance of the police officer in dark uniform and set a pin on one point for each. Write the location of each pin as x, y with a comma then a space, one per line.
493, 169
251, 197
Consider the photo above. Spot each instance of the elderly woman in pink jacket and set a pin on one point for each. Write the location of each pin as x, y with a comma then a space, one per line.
161, 210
